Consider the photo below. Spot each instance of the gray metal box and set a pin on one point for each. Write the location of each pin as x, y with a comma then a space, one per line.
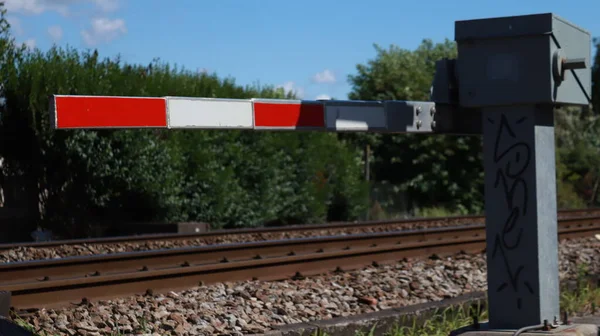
509, 60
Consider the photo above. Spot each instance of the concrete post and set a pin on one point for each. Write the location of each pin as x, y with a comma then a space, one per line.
515, 71
521, 216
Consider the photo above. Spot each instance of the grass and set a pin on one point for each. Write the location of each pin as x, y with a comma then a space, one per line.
376, 212
585, 299
25, 325
442, 323
435, 212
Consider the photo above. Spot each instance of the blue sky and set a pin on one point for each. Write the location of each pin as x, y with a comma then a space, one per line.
310, 46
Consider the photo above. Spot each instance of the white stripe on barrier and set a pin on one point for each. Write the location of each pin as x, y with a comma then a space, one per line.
209, 113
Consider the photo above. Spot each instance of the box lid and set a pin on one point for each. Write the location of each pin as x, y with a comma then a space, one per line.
508, 26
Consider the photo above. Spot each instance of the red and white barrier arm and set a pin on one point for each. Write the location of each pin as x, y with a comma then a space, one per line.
103, 112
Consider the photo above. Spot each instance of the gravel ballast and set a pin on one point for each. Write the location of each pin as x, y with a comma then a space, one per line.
28, 253
253, 306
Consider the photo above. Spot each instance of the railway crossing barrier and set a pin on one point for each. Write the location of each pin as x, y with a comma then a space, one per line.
510, 74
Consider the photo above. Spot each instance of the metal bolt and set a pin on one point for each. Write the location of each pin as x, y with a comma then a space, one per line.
433, 124
419, 122
432, 110
418, 110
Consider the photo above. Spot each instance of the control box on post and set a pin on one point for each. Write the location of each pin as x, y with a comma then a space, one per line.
519, 60
531, 59
511, 72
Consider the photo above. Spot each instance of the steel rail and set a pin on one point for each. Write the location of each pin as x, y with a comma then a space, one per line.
452, 220
346, 254
210, 254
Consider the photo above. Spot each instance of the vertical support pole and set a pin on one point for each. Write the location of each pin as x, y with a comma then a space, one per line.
521, 215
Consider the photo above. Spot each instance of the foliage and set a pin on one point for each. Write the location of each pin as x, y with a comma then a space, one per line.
443, 323
578, 159
440, 171
283, 178
434, 212
584, 299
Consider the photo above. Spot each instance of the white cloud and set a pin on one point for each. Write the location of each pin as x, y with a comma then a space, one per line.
103, 30
291, 87
55, 32
323, 96
29, 43
107, 5
36, 7
326, 76
15, 25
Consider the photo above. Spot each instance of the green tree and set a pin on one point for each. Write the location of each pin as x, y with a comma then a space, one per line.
578, 157
434, 170
78, 174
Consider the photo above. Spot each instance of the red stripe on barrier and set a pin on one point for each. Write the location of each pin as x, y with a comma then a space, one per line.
93, 112
288, 115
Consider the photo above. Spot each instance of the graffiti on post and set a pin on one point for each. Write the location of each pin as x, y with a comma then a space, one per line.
512, 157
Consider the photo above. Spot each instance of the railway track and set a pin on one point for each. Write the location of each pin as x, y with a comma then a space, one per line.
76, 280
311, 230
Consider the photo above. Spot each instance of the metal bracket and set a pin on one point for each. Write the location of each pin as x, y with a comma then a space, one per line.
409, 116
450, 117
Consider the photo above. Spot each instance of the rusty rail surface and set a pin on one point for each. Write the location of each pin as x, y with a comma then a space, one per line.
453, 220
73, 280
